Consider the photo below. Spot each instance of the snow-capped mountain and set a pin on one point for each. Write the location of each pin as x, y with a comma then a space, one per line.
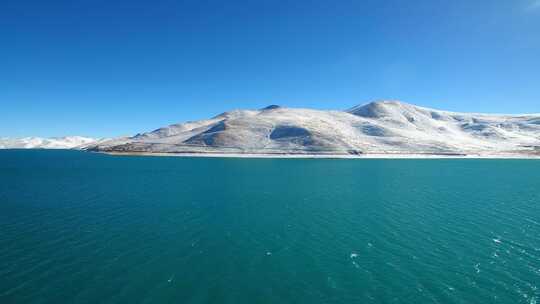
377, 127
68, 142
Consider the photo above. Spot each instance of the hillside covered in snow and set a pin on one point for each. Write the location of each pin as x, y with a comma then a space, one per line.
68, 142
383, 127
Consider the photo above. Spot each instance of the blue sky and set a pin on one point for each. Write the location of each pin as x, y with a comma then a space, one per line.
108, 68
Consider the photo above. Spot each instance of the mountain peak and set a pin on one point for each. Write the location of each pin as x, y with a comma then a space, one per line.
271, 107
379, 108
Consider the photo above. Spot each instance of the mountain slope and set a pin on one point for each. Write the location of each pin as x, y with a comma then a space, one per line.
68, 142
378, 127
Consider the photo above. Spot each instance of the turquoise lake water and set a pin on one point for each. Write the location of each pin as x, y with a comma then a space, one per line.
79, 227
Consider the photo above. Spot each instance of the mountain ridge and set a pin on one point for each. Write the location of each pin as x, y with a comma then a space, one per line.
65, 142
386, 126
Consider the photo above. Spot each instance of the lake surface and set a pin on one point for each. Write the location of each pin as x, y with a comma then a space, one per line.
79, 227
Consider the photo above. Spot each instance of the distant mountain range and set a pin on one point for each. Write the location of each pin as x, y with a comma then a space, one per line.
382, 127
68, 142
